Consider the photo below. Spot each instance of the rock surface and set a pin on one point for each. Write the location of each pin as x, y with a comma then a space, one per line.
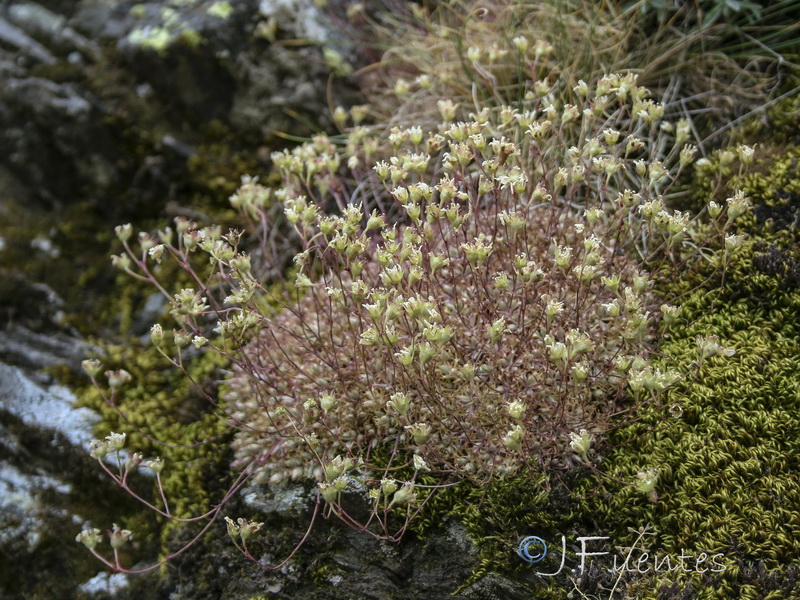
110, 111
93, 93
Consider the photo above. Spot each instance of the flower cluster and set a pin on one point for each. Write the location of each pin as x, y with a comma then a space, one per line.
466, 296
472, 295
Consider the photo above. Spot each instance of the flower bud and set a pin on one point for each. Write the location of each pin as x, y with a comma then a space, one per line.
133, 462
563, 255
340, 116
513, 438
118, 378
569, 115
726, 157
612, 283
327, 402
633, 145
329, 492
124, 232
611, 136
156, 252
647, 482
426, 352
165, 235
146, 241
99, 449
737, 206
121, 262
116, 441
248, 528
388, 486
404, 495
558, 351
89, 538
745, 153
181, 338
119, 537
687, 155
733, 242
233, 529
612, 308
400, 402
580, 372
580, 443
156, 465
156, 334
420, 464
447, 109
420, 432
516, 409
670, 313
709, 346
92, 367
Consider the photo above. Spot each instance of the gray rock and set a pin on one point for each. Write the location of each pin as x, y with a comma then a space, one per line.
22, 510
17, 38
289, 501
273, 81
55, 138
40, 21
85, 135
45, 410
101, 19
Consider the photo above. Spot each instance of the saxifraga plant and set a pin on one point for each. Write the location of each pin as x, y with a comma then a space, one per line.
476, 304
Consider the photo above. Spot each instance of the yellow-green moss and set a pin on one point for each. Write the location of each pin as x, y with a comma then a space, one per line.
165, 414
219, 163
778, 124
221, 10
728, 465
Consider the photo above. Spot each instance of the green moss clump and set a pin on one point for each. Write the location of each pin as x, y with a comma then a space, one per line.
727, 453
166, 414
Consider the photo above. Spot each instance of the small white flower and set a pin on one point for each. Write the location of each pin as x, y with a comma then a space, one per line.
420, 464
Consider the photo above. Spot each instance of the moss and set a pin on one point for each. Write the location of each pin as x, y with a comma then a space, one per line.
221, 10
61, 71
325, 572
157, 39
217, 167
191, 37
779, 124
774, 133
76, 262
774, 187
728, 466
165, 414
138, 11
